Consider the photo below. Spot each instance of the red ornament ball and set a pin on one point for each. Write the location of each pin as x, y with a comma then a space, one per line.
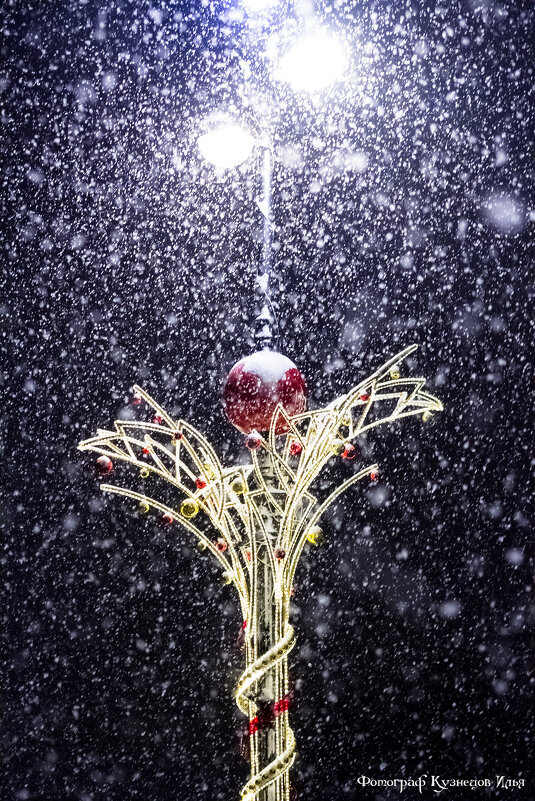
200, 482
295, 447
279, 553
253, 441
350, 452
104, 465
254, 387
166, 519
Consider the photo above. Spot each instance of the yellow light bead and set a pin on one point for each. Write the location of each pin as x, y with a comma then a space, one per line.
394, 373
315, 535
426, 416
346, 420
144, 472
337, 447
238, 486
227, 578
189, 508
143, 507
207, 467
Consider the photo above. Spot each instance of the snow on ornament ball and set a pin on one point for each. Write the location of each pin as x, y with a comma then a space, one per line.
254, 387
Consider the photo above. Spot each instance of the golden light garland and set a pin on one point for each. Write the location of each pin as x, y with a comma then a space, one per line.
255, 520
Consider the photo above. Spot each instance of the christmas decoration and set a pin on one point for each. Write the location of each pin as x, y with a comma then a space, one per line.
253, 441
350, 452
256, 385
260, 532
314, 535
104, 465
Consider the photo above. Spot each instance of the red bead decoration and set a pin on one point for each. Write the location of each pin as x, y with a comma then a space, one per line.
166, 519
254, 387
281, 706
373, 475
157, 419
350, 452
137, 400
253, 441
200, 482
146, 451
221, 545
364, 397
178, 435
279, 553
295, 447
104, 465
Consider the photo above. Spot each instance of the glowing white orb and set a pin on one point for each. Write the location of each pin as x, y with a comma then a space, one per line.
226, 145
314, 62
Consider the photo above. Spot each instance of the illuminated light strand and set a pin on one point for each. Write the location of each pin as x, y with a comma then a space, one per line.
259, 667
278, 484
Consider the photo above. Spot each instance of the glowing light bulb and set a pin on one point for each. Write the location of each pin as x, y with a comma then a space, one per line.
314, 62
226, 145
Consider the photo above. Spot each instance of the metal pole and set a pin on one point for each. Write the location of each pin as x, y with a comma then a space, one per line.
267, 169
263, 325
270, 688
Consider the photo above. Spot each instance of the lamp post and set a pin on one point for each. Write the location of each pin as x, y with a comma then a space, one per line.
226, 144
256, 518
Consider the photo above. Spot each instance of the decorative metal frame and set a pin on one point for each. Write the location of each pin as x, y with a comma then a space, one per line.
261, 514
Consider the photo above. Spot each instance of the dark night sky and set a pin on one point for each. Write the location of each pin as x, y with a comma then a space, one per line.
127, 260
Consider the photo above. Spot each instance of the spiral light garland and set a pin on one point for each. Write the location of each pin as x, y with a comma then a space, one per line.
255, 520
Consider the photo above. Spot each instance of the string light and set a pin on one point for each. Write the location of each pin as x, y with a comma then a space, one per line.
274, 480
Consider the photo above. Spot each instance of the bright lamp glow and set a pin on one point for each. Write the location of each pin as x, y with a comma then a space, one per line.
313, 63
226, 145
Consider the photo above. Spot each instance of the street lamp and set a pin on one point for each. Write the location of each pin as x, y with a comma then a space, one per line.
226, 145
313, 63
256, 518
309, 64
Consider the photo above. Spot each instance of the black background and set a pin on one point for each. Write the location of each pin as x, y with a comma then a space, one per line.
127, 259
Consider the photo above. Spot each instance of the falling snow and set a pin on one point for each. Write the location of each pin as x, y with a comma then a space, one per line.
403, 211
